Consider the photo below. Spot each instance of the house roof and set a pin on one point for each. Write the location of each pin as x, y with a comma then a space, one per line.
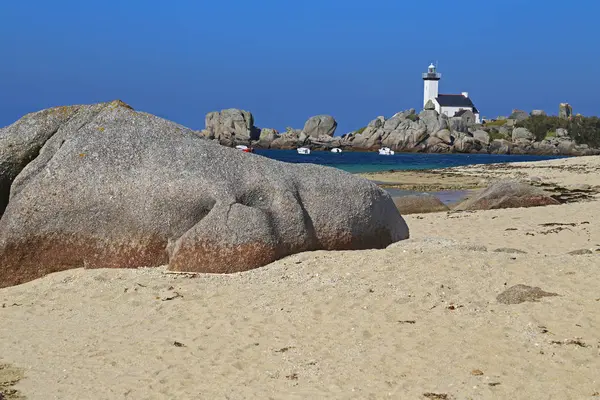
461, 112
454, 100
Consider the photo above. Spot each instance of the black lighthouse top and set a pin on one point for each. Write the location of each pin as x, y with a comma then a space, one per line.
431, 74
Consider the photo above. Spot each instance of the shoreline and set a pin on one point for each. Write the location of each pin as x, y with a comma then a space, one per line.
420, 319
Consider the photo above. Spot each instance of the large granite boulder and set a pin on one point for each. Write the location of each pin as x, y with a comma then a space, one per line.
370, 137
419, 204
519, 115
112, 187
537, 113
482, 137
267, 136
458, 124
320, 125
522, 134
465, 144
507, 194
562, 133
290, 139
429, 105
231, 127
433, 120
19, 144
444, 135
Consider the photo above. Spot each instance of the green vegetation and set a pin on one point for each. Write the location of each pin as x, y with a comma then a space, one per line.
413, 117
540, 125
498, 122
495, 135
361, 130
551, 134
584, 130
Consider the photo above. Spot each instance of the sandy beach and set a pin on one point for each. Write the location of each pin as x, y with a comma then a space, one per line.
418, 320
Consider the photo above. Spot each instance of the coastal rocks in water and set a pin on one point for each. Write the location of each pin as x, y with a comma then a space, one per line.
267, 136
464, 144
290, 139
522, 134
458, 124
482, 137
507, 194
521, 293
433, 120
231, 127
419, 204
444, 135
500, 146
115, 188
320, 125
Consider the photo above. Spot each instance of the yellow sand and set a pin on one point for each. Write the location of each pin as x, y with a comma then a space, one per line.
417, 319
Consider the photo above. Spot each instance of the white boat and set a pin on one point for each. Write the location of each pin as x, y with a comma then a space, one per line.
303, 150
336, 150
386, 151
245, 149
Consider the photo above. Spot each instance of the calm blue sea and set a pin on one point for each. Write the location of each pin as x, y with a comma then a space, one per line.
357, 162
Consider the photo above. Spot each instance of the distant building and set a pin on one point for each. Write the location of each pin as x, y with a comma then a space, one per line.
448, 104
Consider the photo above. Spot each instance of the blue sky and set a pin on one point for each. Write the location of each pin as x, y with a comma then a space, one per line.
288, 60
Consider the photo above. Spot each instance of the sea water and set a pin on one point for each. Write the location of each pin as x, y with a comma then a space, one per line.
359, 162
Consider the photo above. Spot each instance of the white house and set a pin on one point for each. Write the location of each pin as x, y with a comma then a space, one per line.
449, 104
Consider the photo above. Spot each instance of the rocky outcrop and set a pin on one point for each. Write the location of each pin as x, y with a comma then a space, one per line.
507, 194
406, 131
267, 136
565, 110
518, 115
231, 127
419, 204
112, 187
522, 134
482, 137
19, 144
320, 125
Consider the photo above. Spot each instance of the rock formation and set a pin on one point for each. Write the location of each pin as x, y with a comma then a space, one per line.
231, 127
419, 204
565, 110
507, 194
405, 131
320, 125
105, 186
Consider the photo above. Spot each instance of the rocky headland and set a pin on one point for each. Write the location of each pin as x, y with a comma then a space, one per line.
409, 131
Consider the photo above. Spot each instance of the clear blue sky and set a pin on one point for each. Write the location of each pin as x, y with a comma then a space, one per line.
287, 60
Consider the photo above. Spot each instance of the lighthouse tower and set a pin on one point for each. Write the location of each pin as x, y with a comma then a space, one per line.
431, 79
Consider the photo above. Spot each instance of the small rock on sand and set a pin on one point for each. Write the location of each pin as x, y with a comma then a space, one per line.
521, 293
581, 252
509, 250
507, 194
419, 204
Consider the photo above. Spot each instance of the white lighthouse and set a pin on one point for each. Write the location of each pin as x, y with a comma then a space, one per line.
451, 105
431, 80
